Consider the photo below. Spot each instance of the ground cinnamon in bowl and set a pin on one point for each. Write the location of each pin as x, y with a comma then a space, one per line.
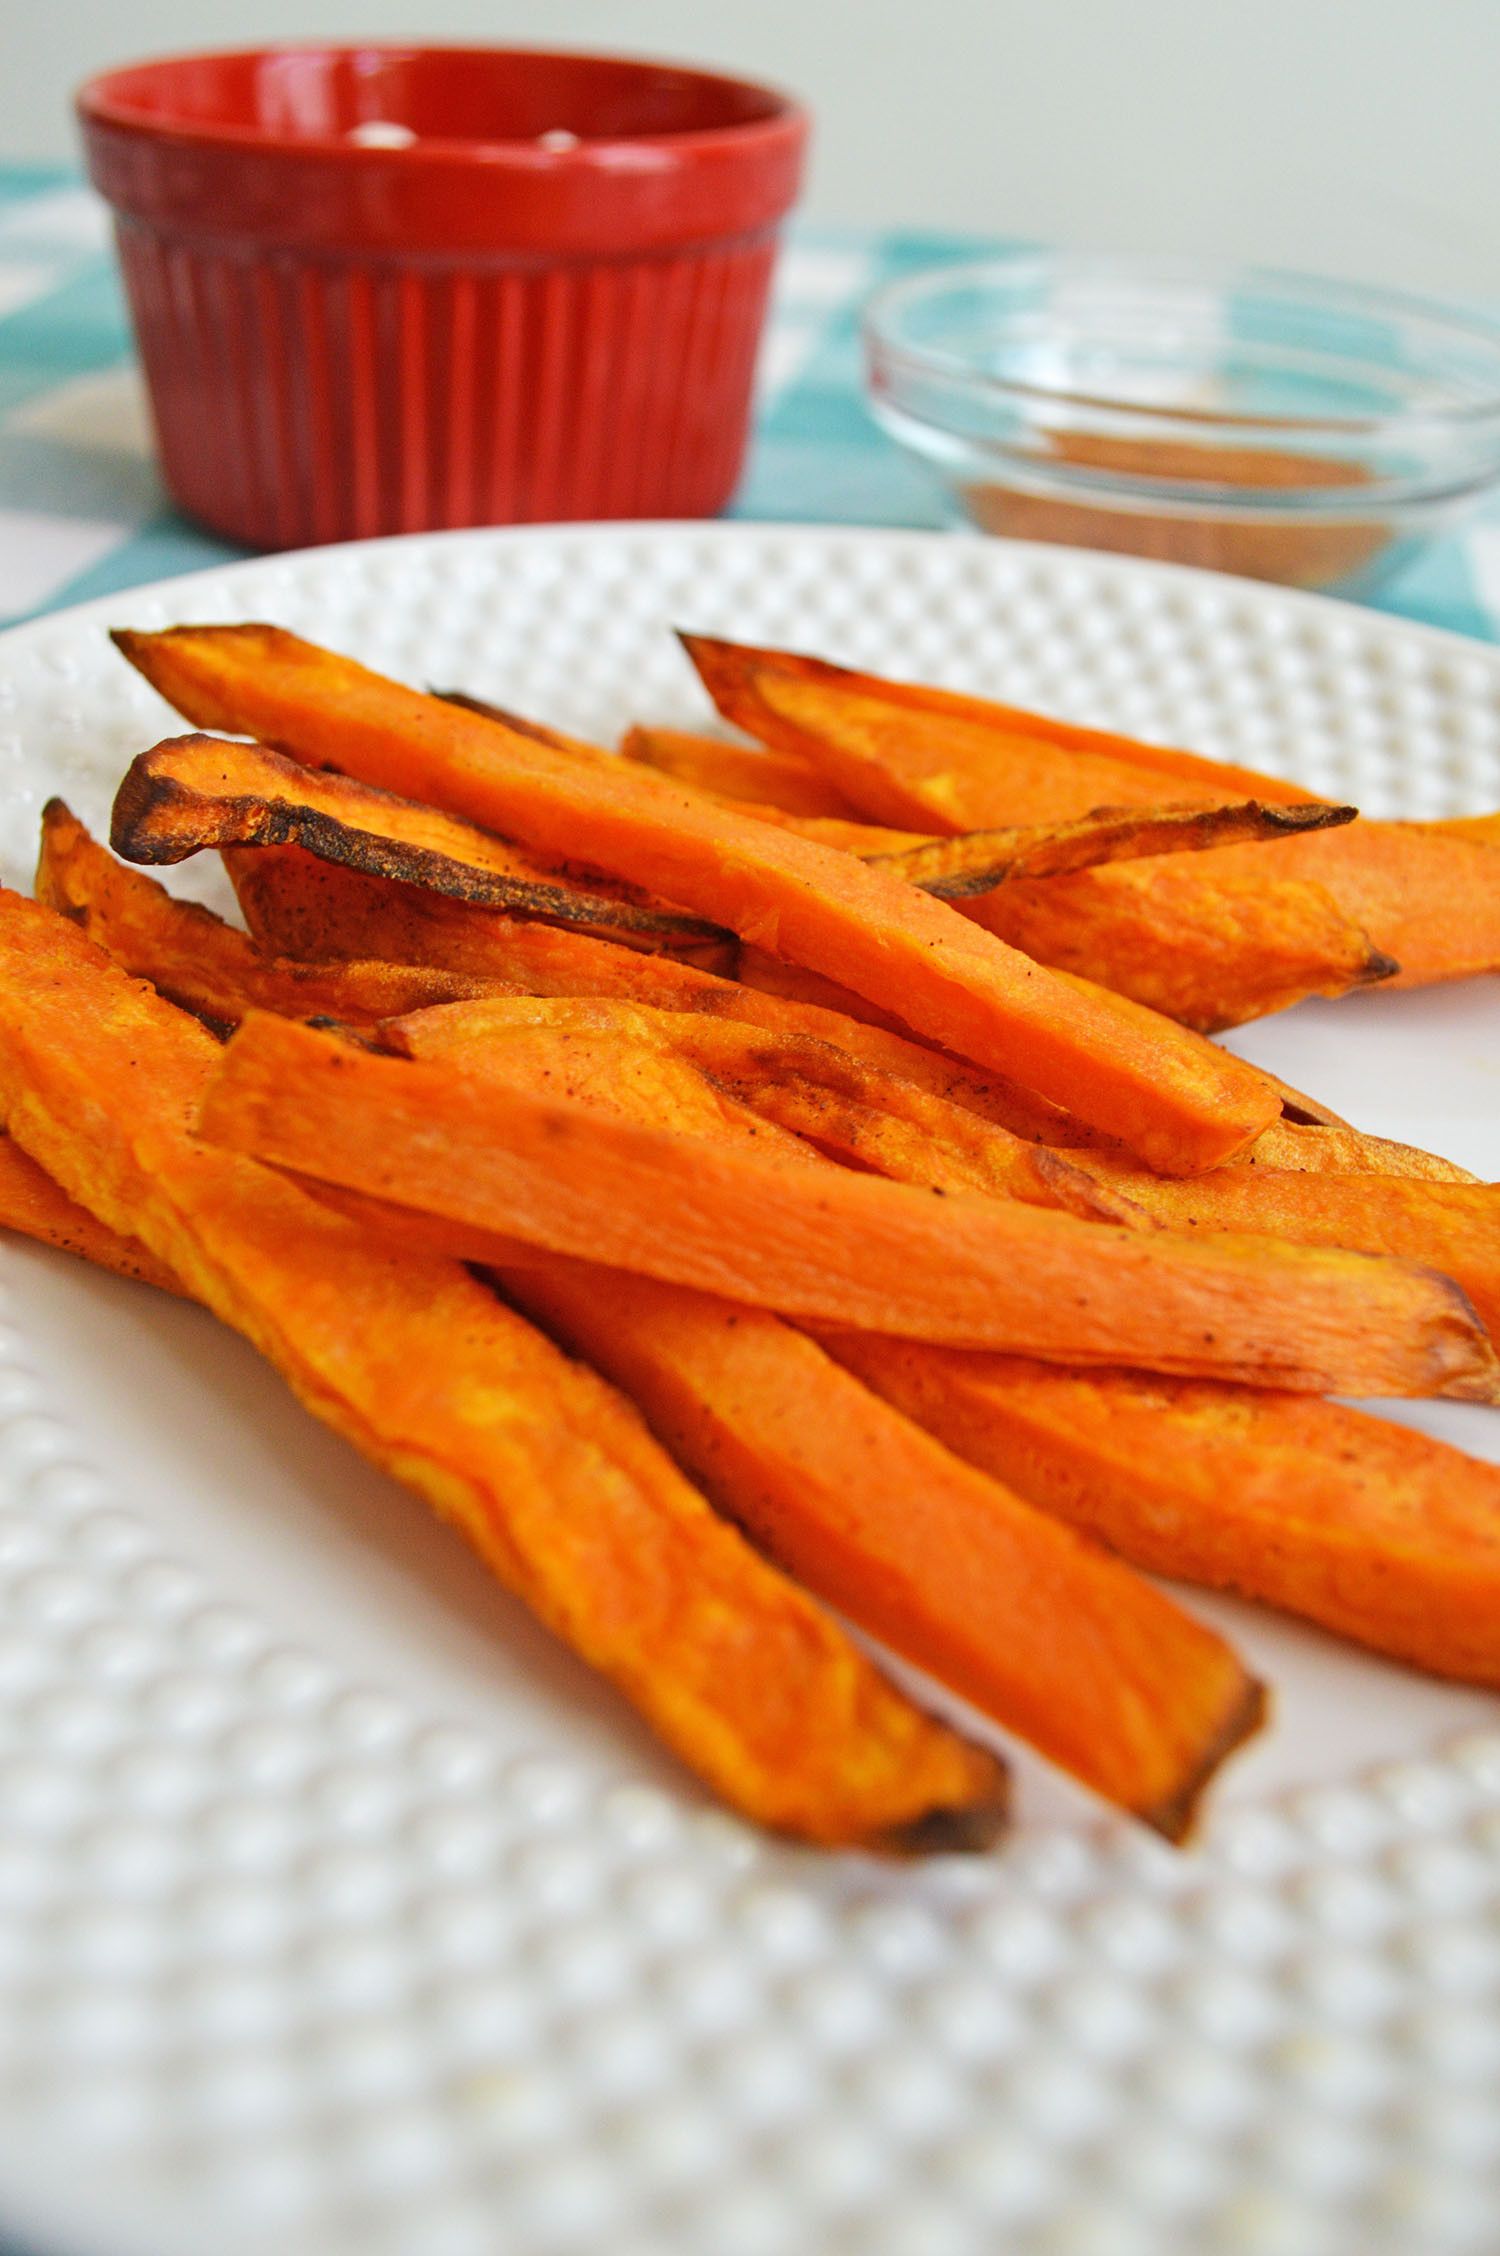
1293, 548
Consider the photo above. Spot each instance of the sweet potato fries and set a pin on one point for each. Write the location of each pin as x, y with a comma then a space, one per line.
549, 1473
871, 932
667, 1163
1213, 940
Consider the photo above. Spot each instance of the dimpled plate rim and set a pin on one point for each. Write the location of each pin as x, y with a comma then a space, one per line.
294, 1956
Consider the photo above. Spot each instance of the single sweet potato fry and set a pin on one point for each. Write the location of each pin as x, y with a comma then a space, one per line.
1355, 1522
1043, 1631
974, 862
1205, 947
884, 939
1452, 1227
194, 792
195, 959
477, 1167
1428, 894
32, 1204
736, 771
851, 1109
548, 1471
931, 759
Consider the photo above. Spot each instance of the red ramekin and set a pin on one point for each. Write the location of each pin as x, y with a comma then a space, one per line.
545, 305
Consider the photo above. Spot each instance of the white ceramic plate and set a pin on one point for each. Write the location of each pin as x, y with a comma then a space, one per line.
342, 1911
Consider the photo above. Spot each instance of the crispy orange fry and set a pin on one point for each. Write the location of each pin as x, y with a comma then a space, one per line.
195, 792
972, 862
928, 758
736, 771
1044, 1632
477, 1167
977, 861
1427, 893
1178, 935
887, 941
197, 960
846, 1105
1453, 1227
542, 1465
1355, 1522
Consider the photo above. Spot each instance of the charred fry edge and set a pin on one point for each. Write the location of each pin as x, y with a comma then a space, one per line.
1173, 1818
956, 869
141, 830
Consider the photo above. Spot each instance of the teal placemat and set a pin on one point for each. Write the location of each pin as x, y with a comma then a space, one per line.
82, 511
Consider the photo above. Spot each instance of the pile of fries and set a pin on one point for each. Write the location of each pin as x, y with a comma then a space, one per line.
736, 1180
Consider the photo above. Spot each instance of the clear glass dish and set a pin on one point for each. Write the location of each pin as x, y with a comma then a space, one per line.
1274, 425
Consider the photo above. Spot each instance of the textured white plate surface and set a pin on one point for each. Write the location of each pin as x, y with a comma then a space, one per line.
340, 1911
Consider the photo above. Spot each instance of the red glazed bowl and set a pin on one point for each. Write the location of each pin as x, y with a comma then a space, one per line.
387, 289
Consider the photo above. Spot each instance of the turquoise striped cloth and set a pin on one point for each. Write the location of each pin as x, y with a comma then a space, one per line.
82, 511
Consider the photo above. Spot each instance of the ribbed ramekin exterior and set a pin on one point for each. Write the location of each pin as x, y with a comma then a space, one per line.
302, 400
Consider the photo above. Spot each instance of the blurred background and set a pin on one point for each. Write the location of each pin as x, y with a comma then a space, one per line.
1352, 137
1347, 138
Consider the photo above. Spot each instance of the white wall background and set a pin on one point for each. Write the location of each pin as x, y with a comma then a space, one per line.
1352, 136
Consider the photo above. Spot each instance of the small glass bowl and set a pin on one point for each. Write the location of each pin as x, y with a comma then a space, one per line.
1286, 428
